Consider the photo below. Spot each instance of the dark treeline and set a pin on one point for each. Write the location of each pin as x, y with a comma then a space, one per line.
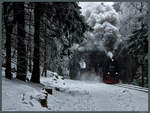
39, 35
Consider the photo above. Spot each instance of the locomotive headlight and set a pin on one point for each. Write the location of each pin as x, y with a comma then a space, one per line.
108, 73
116, 73
112, 59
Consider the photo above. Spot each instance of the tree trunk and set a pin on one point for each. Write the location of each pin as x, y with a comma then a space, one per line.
30, 60
29, 46
8, 53
21, 47
36, 57
142, 75
8, 28
45, 57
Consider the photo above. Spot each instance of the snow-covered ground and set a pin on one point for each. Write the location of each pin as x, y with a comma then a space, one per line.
71, 96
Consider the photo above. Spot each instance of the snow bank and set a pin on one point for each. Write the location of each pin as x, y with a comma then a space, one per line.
20, 96
53, 80
76, 96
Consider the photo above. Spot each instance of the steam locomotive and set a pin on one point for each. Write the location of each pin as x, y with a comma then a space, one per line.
111, 72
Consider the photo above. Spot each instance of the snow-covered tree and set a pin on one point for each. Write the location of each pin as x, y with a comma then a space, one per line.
138, 48
132, 15
8, 30
134, 31
21, 45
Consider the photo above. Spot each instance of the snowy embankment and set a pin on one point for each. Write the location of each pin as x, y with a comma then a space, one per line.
69, 95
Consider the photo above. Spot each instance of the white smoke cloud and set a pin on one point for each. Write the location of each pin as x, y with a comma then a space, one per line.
91, 5
110, 54
90, 76
104, 20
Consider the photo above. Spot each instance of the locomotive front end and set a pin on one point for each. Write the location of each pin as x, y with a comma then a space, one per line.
112, 74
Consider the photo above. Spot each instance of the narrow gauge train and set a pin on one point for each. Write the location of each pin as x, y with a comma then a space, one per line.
111, 72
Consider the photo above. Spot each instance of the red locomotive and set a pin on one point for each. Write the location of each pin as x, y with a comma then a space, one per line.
111, 72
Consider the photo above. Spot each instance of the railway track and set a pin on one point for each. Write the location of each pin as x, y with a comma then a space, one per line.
133, 87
